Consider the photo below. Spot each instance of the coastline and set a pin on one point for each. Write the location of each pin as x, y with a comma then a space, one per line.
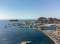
50, 37
53, 39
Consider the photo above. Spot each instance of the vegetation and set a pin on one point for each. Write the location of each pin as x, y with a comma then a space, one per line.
48, 20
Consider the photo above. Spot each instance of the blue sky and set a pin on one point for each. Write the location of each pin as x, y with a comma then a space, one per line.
29, 9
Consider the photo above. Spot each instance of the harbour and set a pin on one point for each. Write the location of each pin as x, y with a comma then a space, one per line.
29, 21
15, 35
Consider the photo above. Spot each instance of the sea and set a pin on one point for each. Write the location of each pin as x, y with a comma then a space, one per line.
16, 35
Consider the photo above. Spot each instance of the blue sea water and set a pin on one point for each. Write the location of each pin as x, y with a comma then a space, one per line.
15, 35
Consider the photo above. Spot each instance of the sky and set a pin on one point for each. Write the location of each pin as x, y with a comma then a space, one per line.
29, 9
